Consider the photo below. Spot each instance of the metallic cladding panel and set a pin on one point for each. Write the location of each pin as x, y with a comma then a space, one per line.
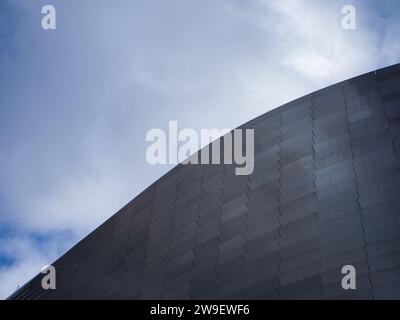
325, 193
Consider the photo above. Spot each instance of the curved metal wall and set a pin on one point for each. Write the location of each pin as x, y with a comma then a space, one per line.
325, 193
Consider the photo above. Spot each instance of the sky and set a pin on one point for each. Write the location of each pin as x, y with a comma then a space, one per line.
76, 102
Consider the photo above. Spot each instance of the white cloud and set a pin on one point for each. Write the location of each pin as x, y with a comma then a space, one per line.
316, 45
28, 258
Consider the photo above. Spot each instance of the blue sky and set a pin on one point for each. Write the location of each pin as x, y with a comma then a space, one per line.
76, 102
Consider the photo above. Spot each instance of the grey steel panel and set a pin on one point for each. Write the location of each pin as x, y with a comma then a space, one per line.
325, 192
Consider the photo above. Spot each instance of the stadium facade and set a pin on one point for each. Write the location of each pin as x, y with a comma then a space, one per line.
325, 193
